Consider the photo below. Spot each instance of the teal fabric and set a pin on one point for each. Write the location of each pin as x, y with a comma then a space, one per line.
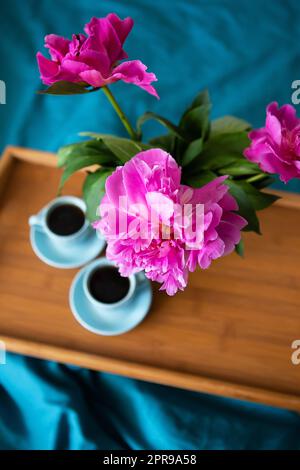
247, 53
45, 405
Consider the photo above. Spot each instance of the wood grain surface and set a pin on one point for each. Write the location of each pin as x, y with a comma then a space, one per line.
229, 333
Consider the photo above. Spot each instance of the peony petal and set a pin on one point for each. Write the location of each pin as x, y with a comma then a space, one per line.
93, 78
162, 159
48, 69
235, 219
57, 45
134, 183
77, 43
286, 114
213, 250
211, 192
271, 164
122, 27
162, 205
255, 153
134, 72
96, 60
114, 186
231, 236
103, 38
74, 67
274, 128
228, 203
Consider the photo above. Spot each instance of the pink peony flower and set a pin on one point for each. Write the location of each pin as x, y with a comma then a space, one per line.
276, 147
150, 183
94, 58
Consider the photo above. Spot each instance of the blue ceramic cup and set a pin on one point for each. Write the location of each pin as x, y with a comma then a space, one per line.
39, 220
89, 270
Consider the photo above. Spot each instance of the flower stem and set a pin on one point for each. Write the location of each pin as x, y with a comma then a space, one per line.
255, 178
120, 113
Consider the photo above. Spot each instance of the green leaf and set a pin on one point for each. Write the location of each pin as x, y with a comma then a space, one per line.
165, 142
263, 183
195, 123
228, 125
102, 137
193, 151
122, 148
239, 248
202, 98
259, 199
233, 143
212, 163
195, 120
197, 181
165, 122
74, 157
222, 150
239, 168
66, 88
78, 163
93, 191
246, 208
65, 152
88, 148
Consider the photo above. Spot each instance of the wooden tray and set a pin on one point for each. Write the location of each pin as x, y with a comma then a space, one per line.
229, 333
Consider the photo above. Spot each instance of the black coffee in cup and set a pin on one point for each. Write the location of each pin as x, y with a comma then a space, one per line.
106, 285
65, 219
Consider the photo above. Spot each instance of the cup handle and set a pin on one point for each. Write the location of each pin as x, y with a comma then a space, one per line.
141, 279
99, 235
35, 221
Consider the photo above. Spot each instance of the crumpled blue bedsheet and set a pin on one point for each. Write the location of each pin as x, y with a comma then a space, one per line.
53, 406
248, 55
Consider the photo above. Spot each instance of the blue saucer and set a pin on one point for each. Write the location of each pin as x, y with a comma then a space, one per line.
114, 321
74, 255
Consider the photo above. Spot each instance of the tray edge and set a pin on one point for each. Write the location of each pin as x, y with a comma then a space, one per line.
157, 375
